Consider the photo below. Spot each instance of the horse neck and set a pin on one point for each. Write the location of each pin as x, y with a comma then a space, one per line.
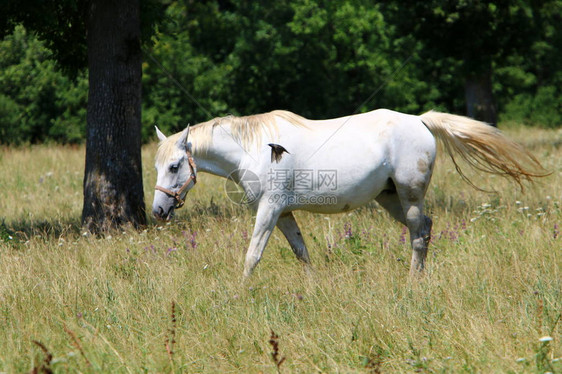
222, 156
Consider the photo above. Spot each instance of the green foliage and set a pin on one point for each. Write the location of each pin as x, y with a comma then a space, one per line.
487, 37
314, 58
37, 101
544, 108
59, 24
317, 58
531, 78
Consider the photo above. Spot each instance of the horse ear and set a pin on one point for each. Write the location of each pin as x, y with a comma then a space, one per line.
159, 133
182, 141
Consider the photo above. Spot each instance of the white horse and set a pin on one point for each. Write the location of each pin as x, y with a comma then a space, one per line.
285, 162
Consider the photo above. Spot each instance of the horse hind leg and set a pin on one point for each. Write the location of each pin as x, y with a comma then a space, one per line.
405, 204
420, 235
390, 201
419, 225
288, 226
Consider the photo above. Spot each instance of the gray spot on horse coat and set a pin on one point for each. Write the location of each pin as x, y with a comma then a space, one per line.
422, 166
277, 152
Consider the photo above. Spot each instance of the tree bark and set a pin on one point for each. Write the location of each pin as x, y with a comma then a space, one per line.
113, 189
480, 103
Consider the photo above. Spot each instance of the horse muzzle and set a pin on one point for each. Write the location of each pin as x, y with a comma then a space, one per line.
163, 215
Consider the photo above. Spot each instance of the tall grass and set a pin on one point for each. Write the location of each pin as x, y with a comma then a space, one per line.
171, 298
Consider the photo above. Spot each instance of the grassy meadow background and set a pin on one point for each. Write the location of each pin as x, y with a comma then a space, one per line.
170, 298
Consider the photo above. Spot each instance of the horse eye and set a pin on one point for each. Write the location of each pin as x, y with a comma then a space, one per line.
174, 168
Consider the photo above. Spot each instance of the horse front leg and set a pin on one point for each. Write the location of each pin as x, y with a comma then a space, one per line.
266, 219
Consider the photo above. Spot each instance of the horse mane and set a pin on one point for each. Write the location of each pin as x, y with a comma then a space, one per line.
246, 131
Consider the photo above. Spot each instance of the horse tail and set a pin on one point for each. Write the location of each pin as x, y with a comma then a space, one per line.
483, 147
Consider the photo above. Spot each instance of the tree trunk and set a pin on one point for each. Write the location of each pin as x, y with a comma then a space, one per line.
113, 190
479, 98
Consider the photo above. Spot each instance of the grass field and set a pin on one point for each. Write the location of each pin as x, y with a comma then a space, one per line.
171, 298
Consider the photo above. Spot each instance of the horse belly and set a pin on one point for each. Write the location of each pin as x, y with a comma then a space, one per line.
346, 195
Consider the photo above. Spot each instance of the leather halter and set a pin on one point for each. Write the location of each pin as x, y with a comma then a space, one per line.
177, 194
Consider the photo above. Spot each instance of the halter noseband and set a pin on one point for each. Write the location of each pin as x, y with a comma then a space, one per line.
177, 195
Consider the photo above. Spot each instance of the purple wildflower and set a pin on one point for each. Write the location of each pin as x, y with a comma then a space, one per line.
347, 229
192, 240
403, 235
453, 236
151, 249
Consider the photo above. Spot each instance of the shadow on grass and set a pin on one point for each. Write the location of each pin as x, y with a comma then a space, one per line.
198, 208
17, 232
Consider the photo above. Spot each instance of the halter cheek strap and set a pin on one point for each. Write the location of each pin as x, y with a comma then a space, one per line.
177, 194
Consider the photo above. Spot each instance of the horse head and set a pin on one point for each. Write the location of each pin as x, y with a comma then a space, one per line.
177, 173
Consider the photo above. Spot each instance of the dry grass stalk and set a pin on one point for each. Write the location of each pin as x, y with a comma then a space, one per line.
540, 308
76, 343
374, 364
45, 366
274, 342
171, 338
